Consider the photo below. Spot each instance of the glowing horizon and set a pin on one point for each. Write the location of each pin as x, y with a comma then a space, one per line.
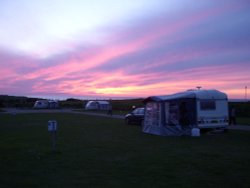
142, 50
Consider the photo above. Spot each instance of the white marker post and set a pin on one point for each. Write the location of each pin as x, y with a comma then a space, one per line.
52, 128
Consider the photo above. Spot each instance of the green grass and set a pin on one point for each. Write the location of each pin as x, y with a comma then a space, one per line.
103, 152
114, 112
243, 120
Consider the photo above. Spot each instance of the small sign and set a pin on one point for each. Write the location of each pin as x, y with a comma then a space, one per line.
52, 125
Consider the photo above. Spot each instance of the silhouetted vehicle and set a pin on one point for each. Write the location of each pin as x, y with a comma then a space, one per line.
135, 117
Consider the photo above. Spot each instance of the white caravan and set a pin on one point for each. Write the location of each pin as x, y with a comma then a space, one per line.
41, 104
97, 105
177, 114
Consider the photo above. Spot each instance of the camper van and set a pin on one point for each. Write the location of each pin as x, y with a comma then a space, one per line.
177, 114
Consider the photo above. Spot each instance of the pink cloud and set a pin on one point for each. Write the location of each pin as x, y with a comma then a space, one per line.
101, 55
75, 74
209, 77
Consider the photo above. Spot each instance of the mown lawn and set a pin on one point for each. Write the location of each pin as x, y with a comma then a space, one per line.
114, 112
104, 152
243, 120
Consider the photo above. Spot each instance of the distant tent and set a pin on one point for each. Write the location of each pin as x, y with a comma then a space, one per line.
178, 114
97, 105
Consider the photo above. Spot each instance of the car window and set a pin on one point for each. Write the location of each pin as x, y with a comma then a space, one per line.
135, 111
138, 111
141, 111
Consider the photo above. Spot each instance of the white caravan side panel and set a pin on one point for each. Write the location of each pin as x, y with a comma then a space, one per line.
212, 113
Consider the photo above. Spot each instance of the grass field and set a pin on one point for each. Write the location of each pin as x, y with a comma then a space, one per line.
104, 152
114, 112
243, 120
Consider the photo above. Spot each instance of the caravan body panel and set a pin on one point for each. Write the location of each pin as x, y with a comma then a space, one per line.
213, 115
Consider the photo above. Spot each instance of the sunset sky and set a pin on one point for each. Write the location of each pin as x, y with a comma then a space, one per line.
111, 48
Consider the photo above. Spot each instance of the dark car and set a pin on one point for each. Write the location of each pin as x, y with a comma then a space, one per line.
135, 117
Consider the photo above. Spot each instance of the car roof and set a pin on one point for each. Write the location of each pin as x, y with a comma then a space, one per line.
140, 108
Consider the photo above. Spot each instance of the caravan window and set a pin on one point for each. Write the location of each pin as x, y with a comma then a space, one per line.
207, 105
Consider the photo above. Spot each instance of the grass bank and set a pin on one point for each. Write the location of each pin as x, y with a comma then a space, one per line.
103, 152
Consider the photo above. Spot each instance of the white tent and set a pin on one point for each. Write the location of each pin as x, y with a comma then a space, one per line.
177, 114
